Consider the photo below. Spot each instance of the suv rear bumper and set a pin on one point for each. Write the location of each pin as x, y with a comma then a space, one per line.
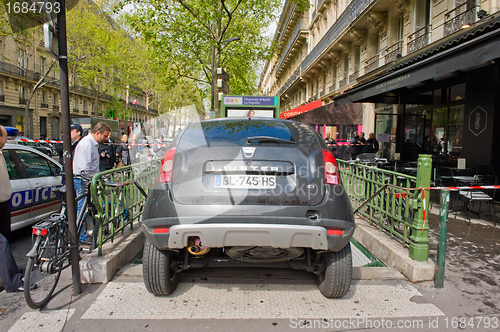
249, 225
218, 235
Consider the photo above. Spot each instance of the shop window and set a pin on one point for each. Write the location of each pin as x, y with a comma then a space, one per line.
457, 92
438, 96
456, 128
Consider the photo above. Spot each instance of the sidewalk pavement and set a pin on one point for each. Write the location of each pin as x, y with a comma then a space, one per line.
470, 292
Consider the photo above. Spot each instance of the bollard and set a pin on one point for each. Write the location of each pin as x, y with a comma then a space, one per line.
443, 231
419, 246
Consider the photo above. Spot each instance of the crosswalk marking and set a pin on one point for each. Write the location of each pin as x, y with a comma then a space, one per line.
124, 300
46, 321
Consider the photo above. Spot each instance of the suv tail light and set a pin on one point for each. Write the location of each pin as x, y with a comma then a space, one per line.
331, 169
167, 164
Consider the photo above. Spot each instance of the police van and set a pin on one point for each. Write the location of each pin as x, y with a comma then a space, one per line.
33, 176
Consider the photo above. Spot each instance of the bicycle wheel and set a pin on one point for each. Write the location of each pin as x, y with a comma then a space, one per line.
41, 275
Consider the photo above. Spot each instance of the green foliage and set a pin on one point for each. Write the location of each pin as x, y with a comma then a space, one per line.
183, 34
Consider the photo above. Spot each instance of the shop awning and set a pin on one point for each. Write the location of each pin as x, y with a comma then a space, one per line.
468, 55
301, 109
331, 115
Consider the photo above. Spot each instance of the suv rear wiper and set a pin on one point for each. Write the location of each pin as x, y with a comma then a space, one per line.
268, 139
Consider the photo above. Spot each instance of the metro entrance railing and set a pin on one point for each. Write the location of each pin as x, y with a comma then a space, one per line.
394, 202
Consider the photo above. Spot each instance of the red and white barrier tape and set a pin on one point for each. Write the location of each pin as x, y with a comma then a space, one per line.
57, 141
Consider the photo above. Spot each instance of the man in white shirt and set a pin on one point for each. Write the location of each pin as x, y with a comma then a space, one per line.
86, 161
9, 271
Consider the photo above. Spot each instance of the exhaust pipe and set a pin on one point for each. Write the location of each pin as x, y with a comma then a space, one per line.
195, 247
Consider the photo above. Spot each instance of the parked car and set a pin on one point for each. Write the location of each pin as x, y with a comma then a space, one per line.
248, 191
33, 176
43, 147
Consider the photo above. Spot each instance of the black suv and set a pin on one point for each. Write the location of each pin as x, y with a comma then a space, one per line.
247, 192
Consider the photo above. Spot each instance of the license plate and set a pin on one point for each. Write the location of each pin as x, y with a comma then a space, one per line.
246, 181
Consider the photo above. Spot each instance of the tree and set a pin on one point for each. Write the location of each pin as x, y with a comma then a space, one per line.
22, 28
190, 35
105, 47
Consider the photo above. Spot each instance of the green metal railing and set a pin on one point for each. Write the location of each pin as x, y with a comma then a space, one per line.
391, 201
119, 206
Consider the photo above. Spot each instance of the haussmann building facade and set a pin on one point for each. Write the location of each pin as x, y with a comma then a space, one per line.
423, 75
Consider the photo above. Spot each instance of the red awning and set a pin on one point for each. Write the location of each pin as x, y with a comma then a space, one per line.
331, 115
301, 109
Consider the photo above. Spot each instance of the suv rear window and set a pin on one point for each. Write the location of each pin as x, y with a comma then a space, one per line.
237, 132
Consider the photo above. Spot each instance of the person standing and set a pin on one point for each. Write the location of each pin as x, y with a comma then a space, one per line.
76, 136
86, 161
354, 146
133, 149
362, 142
372, 145
9, 271
107, 155
122, 152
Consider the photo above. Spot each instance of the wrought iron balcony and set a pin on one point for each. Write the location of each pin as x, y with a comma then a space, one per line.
287, 20
343, 82
289, 45
22, 101
76, 110
85, 112
322, 93
394, 52
418, 40
291, 79
461, 16
372, 64
353, 11
55, 107
44, 105
332, 87
354, 76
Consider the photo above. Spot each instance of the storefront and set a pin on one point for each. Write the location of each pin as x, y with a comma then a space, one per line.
443, 101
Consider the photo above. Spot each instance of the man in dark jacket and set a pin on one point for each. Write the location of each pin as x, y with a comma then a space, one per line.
76, 136
107, 155
371, 144
353, 146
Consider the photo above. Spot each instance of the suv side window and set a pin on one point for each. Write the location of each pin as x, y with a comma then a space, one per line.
11, 166
36, 166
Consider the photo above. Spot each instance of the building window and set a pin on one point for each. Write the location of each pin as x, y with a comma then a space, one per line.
44, 97
22, 95
84, 105
43, 127
357, 58
55, 99
22, 59
42, 65
346, 65
75, 103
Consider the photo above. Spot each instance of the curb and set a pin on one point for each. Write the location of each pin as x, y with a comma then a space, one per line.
391, 253
96, 269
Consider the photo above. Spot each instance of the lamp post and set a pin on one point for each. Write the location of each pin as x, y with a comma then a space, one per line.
216, 51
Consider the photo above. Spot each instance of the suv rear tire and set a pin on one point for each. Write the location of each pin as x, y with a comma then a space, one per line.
159, 278
335, 280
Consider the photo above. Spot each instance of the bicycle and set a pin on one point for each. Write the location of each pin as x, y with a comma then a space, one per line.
51, 250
